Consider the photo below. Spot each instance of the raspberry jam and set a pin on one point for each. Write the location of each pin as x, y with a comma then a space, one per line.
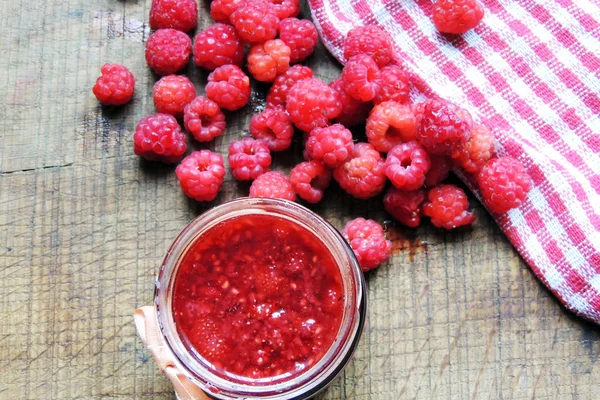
260, 299
259, 296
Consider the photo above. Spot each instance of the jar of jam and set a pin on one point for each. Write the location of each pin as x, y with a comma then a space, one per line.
260, 299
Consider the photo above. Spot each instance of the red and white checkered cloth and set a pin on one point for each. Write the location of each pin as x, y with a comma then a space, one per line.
531, 71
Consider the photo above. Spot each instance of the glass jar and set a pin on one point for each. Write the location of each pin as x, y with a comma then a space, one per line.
314, 379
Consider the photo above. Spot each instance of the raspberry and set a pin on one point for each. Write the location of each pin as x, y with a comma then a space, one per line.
311, 104
417, 109
269, 59
361, 78
300, 35
204, 119
115, 85
457, 16
177, 14
504, 184
406, 165
168, 51
255, 22
439, 168
405, 207
389, 125
218, 45
229, 87
362, 175
248, 158
221, 10
332, 145
305, 155
444, 127
286, 8
393, 83
273, 185
281, 86
478, 149
210, 342
201, 175
367, 239
354, 111
158, 137
310, 179
370, 40
274, 127
447, 207
172, 93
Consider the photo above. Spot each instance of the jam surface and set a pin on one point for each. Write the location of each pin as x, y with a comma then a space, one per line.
258, 296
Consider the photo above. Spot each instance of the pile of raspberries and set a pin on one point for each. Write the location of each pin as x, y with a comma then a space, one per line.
411, 146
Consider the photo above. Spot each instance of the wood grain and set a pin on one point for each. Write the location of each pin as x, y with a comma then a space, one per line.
84, 224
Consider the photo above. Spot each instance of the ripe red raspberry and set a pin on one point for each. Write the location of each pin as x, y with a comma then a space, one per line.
447, 207
406, 165
354, 111
305, 155
115, 86
283, 83
218, 45
229, 87
268, 59
361, 78
504, 184
444, 127
477, 150
172, 93
274, 127
367, 239
273, 185
255, 22
286, 8
363, 174
168, 51
457, 16
300, 35
310, 179
393, 83
158, 137
405, 207
203, 119
417, 109
371, 40
221, 10
248, 158
311, 104
332, 145
201, 175
438, 170
177, 14
389, 125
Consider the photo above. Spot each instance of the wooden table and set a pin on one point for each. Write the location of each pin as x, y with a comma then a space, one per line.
85, 224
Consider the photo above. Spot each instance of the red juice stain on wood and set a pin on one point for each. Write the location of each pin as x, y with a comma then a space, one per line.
404, 240
258, 296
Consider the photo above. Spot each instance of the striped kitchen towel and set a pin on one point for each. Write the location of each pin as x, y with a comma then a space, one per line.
531, 71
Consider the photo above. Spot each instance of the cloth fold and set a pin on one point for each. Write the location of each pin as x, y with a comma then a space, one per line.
531, 72
147, 326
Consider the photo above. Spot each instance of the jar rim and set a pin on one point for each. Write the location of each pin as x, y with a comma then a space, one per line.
314, 378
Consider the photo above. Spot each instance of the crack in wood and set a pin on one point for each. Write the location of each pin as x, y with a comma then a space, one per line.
36, 169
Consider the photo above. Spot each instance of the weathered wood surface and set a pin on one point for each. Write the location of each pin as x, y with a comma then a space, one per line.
84, 224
